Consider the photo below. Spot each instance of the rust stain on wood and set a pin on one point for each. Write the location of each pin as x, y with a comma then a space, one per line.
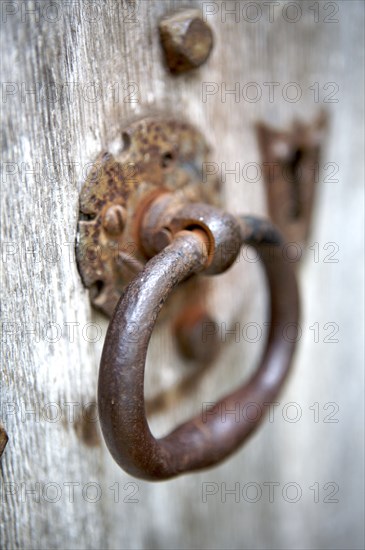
3, 439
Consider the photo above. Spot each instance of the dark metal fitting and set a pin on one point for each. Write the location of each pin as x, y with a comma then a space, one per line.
160, 155
199, 442
189, 328
114, 219
177, 231
169, 212
187, 40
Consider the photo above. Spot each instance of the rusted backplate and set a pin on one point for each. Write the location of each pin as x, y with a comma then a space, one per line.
158, 155
291, 167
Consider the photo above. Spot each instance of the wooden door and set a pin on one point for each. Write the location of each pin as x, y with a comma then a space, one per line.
72, 74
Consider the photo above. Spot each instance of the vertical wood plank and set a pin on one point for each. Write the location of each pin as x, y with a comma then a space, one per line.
50, 360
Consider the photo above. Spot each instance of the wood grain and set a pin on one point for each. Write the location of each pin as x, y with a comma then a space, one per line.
47, 144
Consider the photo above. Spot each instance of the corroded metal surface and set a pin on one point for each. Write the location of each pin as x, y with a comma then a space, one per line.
291, 165
200, 442
159, 155
189, 327
220, 228
187, 40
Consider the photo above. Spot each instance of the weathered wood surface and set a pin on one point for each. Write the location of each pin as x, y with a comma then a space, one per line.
49, 142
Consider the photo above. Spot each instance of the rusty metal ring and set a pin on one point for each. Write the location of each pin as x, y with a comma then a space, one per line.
200, 442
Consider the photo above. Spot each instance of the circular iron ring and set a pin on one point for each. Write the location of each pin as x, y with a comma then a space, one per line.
202, 441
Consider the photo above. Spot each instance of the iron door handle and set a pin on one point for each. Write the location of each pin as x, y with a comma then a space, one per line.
202, 242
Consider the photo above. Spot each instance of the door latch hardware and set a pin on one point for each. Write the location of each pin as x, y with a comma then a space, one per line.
158, 155
200, 233
291, 166
150, 195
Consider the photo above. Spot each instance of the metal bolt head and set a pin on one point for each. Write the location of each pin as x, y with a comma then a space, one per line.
114, 219
190, 328
187, 41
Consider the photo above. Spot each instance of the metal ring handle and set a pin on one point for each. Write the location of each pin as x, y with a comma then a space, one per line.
195, 444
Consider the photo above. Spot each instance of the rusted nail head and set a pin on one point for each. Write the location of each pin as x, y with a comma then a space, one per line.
187, 40
190, 329
114, 219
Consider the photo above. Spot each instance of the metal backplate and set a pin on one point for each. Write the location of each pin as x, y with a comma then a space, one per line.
156, 155
291, 168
